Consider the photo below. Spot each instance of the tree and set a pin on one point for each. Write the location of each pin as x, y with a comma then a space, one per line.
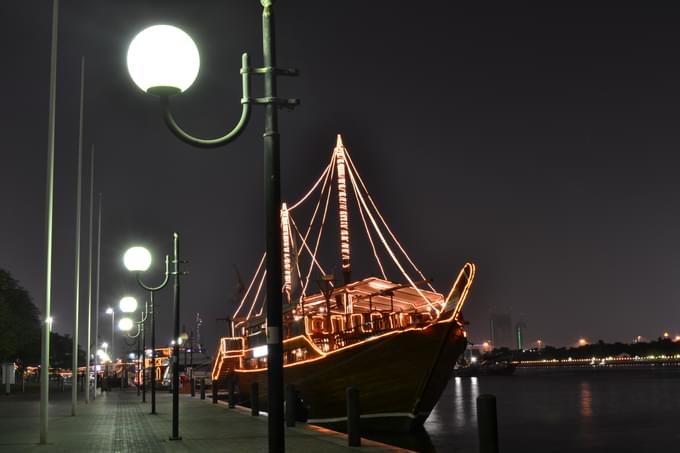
61, 351
19, 322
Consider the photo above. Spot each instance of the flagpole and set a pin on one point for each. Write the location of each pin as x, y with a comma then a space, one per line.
79, 203
49, 204
89, 290
96, 309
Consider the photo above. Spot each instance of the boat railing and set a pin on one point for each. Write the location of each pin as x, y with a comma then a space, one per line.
364, 326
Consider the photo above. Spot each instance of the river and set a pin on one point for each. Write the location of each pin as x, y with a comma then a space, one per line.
599, 410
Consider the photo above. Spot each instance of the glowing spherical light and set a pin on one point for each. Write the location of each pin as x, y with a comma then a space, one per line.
125, 324
109, 311
128, 304
137, 259
162, 57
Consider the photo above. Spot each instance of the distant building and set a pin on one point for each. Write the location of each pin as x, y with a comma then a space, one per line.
520, 329
501, 330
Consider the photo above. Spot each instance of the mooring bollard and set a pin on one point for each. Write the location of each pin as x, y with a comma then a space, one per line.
254, 399
487, 424
214, 391
202, 388
290, 405
232, 395
353, 417
192, 383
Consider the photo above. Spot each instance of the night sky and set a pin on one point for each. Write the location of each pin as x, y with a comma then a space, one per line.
540, 143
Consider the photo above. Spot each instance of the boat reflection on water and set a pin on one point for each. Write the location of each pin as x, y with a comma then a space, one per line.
453, 421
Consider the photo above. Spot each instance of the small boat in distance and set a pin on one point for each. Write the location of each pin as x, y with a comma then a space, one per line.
394, 338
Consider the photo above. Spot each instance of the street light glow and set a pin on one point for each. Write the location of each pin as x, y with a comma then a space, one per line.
137, 259
163, 57
128, 304
125, 324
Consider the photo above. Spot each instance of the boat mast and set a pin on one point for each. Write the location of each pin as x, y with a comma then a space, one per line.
285, 232
344, 218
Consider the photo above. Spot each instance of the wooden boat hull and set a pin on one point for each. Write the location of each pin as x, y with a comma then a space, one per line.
400, 376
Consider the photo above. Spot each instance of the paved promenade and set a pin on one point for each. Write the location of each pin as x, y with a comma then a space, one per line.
118, 421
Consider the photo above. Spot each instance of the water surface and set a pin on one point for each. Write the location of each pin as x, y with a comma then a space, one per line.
602, 410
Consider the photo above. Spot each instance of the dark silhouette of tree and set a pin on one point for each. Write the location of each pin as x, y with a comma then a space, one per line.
19, 322
61, 351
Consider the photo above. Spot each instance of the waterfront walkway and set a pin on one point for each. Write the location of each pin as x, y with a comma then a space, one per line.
118, 421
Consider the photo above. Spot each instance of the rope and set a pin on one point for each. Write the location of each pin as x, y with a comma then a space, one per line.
351, 162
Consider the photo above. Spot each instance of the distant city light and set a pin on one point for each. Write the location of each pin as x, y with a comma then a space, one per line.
582, 342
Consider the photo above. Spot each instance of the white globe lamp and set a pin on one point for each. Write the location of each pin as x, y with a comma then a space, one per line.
128, 304
137, 259
125, 324
163, 60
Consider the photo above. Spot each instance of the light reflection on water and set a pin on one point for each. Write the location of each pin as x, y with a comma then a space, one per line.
559, 411
586, 400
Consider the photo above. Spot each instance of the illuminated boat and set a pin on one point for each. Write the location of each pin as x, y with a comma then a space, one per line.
397, 340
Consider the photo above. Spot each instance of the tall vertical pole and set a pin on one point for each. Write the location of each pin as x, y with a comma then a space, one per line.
89, 291
153, 351
272, 184
96, 310
143, 356
136, 371
76, 284
175, 348
49, 204
113, 331
99, 261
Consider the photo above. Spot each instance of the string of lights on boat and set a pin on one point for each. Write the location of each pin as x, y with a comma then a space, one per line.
300, 245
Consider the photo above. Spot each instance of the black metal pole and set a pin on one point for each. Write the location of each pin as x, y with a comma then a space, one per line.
139, 387
175, 348
272, 186
487, 424
153, 354
290, 405
353, 417
254, 399
142, 357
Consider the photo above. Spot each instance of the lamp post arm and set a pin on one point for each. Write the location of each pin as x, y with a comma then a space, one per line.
162, 285
180, 133
139, 331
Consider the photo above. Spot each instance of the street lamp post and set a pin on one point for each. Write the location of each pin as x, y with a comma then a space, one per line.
154, 72
105, 358
112, 312
129, 305
138, 259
